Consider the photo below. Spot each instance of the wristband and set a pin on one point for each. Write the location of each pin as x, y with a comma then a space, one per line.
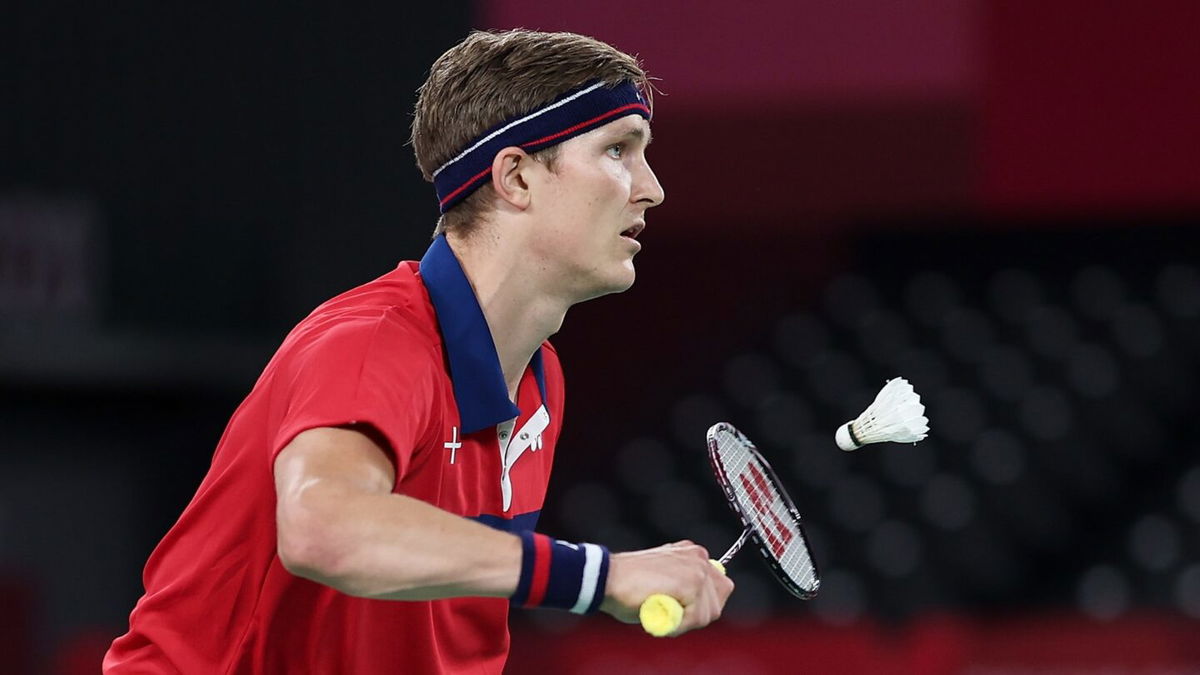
562, 575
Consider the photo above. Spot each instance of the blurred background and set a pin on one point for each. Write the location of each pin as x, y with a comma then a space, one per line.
996, 200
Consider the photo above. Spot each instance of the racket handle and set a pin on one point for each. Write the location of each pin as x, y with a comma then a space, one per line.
661, 614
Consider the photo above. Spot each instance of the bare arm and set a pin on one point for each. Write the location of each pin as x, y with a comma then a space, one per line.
340, 525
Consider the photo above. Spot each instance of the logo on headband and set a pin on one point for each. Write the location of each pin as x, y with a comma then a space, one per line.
574, 113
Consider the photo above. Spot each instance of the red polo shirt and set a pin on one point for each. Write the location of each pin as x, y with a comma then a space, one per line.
411, 355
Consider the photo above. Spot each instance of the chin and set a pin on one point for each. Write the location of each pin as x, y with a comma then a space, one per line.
615, 284
621, 288
625, 281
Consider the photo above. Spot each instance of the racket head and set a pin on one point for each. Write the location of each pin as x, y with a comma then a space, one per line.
756, 496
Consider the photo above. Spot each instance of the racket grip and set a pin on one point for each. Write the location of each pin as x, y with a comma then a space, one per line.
661, 614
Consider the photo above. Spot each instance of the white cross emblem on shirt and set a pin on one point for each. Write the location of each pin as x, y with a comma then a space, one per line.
453, 444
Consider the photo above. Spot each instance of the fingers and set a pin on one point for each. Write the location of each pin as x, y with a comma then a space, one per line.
681, 570
688, 546
697, 583
709, 601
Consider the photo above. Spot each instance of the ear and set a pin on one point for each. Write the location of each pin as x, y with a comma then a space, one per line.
509, 179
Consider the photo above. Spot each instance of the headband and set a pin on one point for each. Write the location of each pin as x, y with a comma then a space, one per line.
570, 115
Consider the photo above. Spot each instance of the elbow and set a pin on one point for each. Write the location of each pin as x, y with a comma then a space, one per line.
303, 555
308, 547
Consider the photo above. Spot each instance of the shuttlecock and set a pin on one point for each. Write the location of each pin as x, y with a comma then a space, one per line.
896, 414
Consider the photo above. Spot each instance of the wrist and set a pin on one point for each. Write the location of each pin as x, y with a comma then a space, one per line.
561, 575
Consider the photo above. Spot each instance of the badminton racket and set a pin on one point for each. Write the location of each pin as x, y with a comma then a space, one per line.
769, 520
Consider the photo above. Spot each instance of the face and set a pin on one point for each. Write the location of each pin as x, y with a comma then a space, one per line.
592, 209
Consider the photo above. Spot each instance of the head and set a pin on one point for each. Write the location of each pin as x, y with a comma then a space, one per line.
490, 78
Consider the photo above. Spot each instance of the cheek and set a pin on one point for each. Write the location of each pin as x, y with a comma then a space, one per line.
594, 192
613, 186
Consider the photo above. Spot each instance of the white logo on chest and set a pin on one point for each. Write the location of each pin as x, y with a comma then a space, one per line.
453, 444
513, 445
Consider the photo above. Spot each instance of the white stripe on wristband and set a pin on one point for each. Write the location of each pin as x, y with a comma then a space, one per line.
559, 574
591, 577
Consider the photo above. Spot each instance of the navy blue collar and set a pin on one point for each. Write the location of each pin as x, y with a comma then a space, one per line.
479, 387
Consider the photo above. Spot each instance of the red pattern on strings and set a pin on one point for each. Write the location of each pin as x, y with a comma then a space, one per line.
777, 533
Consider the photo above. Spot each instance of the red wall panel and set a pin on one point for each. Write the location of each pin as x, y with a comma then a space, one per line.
1091, 106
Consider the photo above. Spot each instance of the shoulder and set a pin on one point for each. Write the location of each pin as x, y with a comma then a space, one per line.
389, 318
399, 296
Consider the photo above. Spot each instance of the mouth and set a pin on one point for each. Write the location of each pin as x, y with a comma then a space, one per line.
633, 231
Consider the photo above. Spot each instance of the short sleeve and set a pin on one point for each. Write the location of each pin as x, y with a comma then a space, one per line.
371, 370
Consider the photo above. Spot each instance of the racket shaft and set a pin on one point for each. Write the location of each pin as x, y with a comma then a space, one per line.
737, 546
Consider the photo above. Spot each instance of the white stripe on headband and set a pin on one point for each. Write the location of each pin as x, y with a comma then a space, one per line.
514, 123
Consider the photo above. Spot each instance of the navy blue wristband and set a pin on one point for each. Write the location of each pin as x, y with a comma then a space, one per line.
559, 574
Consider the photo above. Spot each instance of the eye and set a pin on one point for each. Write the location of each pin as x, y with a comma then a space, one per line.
615, 150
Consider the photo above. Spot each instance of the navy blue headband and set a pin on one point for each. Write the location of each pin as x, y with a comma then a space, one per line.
572, 114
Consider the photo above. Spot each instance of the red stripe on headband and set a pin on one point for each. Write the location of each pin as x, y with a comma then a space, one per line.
610, 113
541, 570
545, 139
465, 185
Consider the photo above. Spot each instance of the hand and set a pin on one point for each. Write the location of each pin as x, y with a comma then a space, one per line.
680, 570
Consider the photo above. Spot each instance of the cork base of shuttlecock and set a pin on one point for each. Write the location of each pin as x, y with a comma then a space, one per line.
845, 439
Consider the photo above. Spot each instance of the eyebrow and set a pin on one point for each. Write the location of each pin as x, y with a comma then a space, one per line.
638, 133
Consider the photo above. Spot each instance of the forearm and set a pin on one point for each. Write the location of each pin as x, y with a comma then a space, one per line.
394, 547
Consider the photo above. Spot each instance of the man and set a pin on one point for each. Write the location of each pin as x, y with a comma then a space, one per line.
371, 505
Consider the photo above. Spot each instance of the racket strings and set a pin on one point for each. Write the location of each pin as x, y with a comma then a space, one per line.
765, 509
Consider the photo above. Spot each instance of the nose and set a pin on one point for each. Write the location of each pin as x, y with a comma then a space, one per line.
647, 189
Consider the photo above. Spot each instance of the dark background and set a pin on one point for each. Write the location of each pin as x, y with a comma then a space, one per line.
997, 200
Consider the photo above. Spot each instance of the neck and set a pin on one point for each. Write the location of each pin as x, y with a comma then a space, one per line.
520, 314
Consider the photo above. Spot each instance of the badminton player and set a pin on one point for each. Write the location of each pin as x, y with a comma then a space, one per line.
372, 505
